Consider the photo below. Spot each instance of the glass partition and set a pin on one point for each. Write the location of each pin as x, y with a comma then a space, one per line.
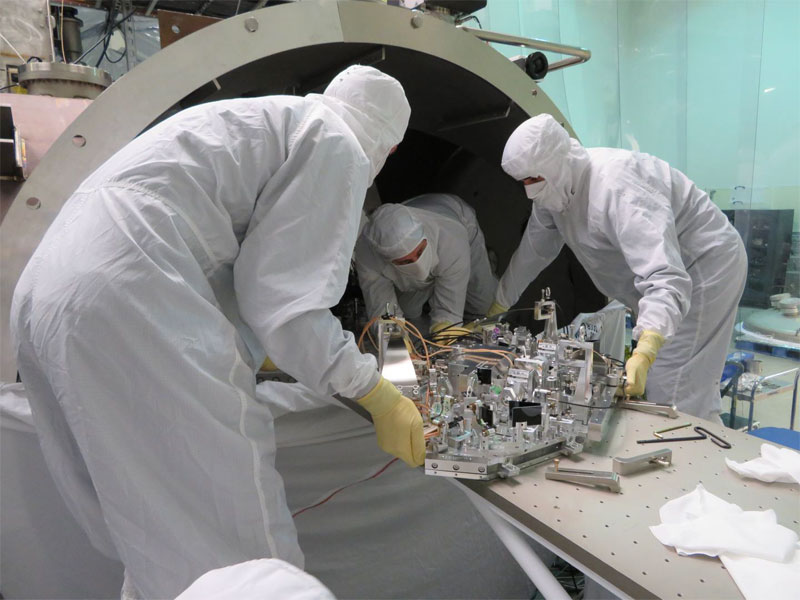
713, 88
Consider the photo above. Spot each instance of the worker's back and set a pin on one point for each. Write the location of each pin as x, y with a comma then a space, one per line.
212, 163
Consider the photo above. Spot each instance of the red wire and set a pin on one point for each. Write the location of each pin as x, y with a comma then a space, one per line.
321, 502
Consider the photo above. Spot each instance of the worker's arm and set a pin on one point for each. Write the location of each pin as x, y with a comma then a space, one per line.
642, 226
482, 281
451, 279
294, 261
540, 244
378, 289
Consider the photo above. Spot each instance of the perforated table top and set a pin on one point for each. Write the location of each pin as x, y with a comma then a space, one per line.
608, 532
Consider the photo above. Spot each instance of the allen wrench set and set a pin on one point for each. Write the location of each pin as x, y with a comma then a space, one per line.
702, 434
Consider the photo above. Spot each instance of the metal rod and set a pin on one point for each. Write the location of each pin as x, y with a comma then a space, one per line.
150, 8
660, 431
713, 437
522, 552
580, 55
794, 399
691, 438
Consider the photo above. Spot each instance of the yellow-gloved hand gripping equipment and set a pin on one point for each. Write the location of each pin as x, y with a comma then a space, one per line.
641, 360
397, 423
496, 309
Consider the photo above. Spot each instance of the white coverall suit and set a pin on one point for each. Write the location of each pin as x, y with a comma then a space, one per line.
220, 235
460, 277
648, 237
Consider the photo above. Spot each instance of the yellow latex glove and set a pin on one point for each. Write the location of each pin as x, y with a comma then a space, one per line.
437, 327
474, 326
641, 360
268, 365
397, 423
496, 309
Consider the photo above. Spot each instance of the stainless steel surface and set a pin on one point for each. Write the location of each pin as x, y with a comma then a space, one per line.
633, 464
580, 55
57, 70
63, 80
394, 361
609, 535
600, 479
447, 73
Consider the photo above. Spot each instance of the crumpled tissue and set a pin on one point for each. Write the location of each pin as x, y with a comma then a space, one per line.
761, 555
775, 464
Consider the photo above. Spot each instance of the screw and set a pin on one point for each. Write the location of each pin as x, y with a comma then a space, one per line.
416, 20
555, 463
251, 24
481, 469
434, 466
456, 467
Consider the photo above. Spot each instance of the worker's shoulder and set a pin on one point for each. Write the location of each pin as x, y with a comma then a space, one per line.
605, 159
243, 106
620, 161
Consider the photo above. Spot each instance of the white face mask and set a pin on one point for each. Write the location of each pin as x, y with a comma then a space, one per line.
534, 191
420, 269
543, 195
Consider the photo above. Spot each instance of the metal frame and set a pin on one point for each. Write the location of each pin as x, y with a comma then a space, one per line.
752, 398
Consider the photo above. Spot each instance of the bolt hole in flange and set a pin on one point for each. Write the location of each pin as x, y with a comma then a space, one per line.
79, 141
33, 203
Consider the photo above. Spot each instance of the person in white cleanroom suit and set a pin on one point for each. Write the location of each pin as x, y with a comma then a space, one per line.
649, 238
220, 235
427, 249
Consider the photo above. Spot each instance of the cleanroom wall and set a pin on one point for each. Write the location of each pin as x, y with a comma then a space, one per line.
711, 86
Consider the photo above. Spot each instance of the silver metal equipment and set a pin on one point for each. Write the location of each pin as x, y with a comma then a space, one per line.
650, 407
63, 80
503, 399
466, 99
633, 464
599, 479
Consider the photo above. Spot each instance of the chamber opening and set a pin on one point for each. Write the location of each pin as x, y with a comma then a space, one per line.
459, 126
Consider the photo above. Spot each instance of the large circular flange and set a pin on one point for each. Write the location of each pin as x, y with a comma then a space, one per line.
37, 71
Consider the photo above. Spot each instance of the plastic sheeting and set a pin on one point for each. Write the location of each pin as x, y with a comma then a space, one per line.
44, 553
402, 534
146, 42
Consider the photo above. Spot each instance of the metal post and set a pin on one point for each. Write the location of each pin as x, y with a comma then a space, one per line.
129, 33
794, 398
522, 552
